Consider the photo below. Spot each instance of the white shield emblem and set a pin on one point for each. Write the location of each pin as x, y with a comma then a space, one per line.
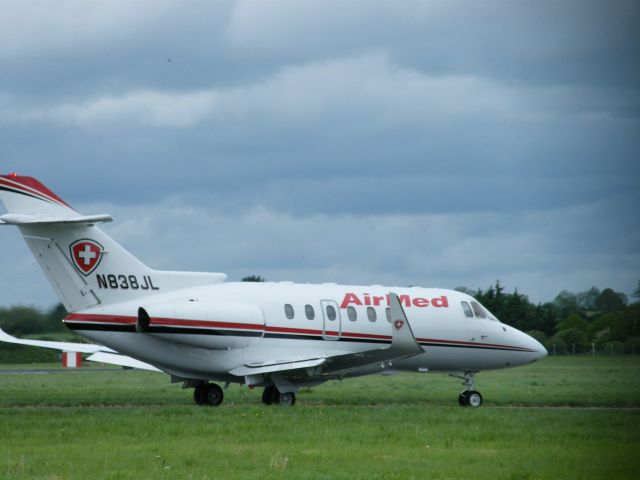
86, 255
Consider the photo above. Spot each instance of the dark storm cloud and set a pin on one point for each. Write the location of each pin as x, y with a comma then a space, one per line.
328, 115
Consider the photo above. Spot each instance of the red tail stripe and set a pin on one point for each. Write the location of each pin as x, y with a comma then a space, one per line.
31, 185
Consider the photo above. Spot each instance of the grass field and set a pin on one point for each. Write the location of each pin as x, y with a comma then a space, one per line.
563, 417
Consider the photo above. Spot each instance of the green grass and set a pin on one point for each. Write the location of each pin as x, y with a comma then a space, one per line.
130, 424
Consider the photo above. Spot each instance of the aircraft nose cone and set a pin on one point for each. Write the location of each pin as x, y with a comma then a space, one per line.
538, 348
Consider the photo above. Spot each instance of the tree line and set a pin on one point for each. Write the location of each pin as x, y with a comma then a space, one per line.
591, 321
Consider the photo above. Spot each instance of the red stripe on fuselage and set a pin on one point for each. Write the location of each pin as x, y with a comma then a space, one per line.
458, 342
171, 322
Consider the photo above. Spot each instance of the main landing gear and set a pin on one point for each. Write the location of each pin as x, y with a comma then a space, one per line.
469, 397
271, 396
208, 394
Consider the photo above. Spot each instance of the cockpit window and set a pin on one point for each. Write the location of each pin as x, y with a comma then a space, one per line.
478, 310
466, 308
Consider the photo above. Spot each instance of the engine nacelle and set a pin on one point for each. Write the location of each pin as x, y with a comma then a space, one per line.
202, 324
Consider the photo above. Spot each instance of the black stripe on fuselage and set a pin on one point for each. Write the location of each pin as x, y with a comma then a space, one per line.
100, 327
181, 330
287, 336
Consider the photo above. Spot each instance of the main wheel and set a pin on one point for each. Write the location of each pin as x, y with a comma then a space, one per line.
213, 394
287, 399
462, 399
270, 395
474, 399
198, 394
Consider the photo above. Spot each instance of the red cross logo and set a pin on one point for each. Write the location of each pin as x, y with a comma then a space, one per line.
86, 255
398, 324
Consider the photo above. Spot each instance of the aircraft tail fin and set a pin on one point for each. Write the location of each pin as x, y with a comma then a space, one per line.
85, 266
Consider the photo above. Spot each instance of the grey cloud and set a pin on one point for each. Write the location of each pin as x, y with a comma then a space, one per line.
467, 128
541, 252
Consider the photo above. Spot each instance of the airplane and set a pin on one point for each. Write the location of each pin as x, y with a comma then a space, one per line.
280, 336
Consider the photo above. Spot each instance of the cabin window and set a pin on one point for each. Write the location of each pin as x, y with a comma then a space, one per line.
477, 309
331, 312
352, 314
371, 314
288, 311
467, 309
387, 312
308, 311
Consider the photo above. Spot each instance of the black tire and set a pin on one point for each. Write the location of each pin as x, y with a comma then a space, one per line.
474, 399
198, 395
213, 394
270, 395
287, 399
462, 399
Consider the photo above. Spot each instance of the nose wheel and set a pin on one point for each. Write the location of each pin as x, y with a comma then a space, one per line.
470, 397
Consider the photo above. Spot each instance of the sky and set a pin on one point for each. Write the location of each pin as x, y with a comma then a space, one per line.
432, 143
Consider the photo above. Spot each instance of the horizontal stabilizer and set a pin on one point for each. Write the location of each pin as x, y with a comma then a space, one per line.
98, 353
122, 360
63, 346
28, 219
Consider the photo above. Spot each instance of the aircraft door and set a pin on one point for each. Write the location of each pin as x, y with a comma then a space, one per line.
331, 322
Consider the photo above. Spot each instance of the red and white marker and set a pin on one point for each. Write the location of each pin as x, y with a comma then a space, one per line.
71, 359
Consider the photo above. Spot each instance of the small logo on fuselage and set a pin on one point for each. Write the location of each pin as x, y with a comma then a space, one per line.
86, 255
398, 324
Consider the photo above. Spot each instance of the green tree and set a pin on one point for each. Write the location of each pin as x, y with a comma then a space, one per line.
566, 303
574, 321
466, 290
54, 318
545, 318
253, 278
22, 320
587, 299
571, 337
608, 300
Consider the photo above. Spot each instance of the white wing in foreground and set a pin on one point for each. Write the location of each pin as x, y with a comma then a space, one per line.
99, 353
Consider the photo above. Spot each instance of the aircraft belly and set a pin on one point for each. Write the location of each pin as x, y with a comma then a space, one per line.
213, 342
448, 359
192, 362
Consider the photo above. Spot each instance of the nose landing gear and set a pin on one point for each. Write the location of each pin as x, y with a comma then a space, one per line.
470, 397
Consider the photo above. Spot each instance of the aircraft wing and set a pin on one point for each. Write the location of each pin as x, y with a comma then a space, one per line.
403, 344
99, 353
276, 366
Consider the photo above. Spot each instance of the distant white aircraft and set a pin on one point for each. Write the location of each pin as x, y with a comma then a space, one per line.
281, 336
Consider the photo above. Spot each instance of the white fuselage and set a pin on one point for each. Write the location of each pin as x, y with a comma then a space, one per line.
204, 332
